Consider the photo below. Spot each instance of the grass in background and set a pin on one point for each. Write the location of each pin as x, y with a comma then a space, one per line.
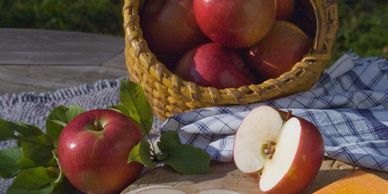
98, 16
363, 28
363, 23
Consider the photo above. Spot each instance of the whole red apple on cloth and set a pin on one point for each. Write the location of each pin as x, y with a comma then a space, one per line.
345, 109
214, 65
235, 23
93, 151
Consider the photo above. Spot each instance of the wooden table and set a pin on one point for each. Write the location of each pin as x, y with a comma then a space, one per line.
43, 60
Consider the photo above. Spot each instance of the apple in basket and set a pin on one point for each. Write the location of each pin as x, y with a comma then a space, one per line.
93, 150
285, 152
235, 23
170, 29
279, 51
214, 65
284, 9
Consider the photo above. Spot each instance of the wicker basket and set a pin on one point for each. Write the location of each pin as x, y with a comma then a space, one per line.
169, 94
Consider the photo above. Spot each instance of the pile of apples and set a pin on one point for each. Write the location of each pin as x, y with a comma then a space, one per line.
224, 43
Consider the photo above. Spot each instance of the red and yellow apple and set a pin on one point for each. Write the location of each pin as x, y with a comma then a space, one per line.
170, 29
93, 151
284, 9
279, 51
235, 23
215, 66
286, 152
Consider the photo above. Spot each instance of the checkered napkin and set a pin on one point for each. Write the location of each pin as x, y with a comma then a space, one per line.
349, 105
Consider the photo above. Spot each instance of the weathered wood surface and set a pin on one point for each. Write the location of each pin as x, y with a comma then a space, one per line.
45, 60
226, 176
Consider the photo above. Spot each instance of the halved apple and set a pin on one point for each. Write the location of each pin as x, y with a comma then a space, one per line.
286, 152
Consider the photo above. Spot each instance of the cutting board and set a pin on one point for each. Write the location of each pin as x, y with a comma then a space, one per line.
227, 176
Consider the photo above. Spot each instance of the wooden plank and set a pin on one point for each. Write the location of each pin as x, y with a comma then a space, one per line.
43, 38
14, 79
117, 62
37, 58
48, 47
226, 176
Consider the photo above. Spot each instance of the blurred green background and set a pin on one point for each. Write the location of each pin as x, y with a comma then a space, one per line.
363, 23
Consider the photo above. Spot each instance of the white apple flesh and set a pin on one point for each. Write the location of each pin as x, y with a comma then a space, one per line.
288, 154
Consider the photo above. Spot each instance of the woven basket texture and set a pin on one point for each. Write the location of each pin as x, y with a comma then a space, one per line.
169, 94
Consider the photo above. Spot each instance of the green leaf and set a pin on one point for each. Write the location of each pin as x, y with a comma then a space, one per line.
135, 105
142, 153
64, 187
58, 119
8, 162
32, 181
73, 111
183, 158
169, 139
8, 130
36, 151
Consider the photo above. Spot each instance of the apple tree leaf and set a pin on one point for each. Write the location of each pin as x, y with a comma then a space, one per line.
6, 133
36, 151
9, 130
33, 181
64, 187
142, 153
8, 162
58, 118
183, 158
134, 104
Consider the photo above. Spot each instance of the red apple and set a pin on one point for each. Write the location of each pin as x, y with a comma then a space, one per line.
279, 51
93, 151
213, 65
235, 23
284, 9
170, 29
288, 153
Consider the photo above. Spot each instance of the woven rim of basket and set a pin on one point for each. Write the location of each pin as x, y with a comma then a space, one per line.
302, 76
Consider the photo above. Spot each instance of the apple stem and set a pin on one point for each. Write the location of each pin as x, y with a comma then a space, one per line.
98, 126
269, 148
289, 115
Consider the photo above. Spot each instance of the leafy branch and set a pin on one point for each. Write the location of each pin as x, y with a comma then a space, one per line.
35, 167
185, 159
33, 162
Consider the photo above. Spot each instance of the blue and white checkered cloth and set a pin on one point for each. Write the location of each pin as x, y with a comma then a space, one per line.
349, 105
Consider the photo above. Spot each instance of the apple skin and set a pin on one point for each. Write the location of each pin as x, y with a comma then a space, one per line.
279, 51
307, 162
284, 9
235, 23
95, 161
170, 29
215, 66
